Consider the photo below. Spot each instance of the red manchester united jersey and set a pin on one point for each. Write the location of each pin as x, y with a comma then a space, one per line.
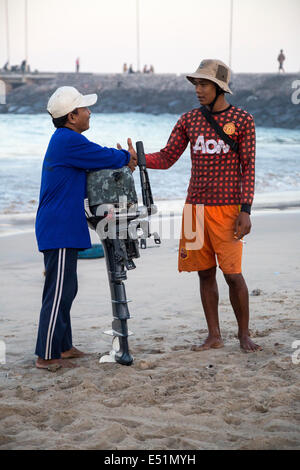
219, 175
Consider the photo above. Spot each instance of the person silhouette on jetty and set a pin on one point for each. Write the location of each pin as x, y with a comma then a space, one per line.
220, 193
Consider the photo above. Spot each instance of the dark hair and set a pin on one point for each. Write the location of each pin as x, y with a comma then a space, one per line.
61, 121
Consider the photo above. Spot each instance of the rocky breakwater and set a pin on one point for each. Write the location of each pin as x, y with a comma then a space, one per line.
267, 96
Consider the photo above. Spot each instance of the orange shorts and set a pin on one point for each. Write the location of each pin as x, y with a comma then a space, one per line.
207, 233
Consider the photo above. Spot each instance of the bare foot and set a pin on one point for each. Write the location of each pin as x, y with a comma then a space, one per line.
72, 353
53, 364
211, 342
248, 345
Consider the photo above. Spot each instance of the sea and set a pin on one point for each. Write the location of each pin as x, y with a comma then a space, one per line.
24, 140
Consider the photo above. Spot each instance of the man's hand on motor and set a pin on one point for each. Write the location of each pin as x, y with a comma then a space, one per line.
133, 156
242, 225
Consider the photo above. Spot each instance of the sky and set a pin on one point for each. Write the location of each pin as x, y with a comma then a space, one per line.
175, 35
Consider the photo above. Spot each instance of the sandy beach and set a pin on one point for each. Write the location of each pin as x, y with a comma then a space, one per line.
171, 397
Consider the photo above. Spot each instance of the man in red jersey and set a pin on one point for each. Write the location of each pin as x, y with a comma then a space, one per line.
222, 183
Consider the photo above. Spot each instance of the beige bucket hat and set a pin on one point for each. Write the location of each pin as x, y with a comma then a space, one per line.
215, 71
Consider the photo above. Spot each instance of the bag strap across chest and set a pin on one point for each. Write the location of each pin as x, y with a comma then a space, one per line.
228, 140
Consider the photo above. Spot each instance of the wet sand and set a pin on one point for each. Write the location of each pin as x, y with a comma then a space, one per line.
171, 397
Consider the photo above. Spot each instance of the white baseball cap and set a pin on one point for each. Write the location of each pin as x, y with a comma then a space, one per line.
66, 98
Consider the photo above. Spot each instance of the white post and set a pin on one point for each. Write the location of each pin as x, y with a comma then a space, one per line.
26, 31
230, 33
7, 32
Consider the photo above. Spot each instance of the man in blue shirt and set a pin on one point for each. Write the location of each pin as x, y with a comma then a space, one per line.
61, 227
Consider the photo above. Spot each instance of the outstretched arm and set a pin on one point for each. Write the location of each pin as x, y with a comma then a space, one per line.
84, 154
175, 147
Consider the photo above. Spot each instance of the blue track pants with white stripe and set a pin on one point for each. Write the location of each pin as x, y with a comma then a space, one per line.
60, 289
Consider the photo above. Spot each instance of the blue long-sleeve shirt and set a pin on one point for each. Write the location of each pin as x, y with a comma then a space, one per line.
60, 220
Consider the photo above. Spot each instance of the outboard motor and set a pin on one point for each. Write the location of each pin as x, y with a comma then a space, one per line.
114, 214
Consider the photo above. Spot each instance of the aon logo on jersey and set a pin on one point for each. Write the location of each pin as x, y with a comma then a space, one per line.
210, 146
